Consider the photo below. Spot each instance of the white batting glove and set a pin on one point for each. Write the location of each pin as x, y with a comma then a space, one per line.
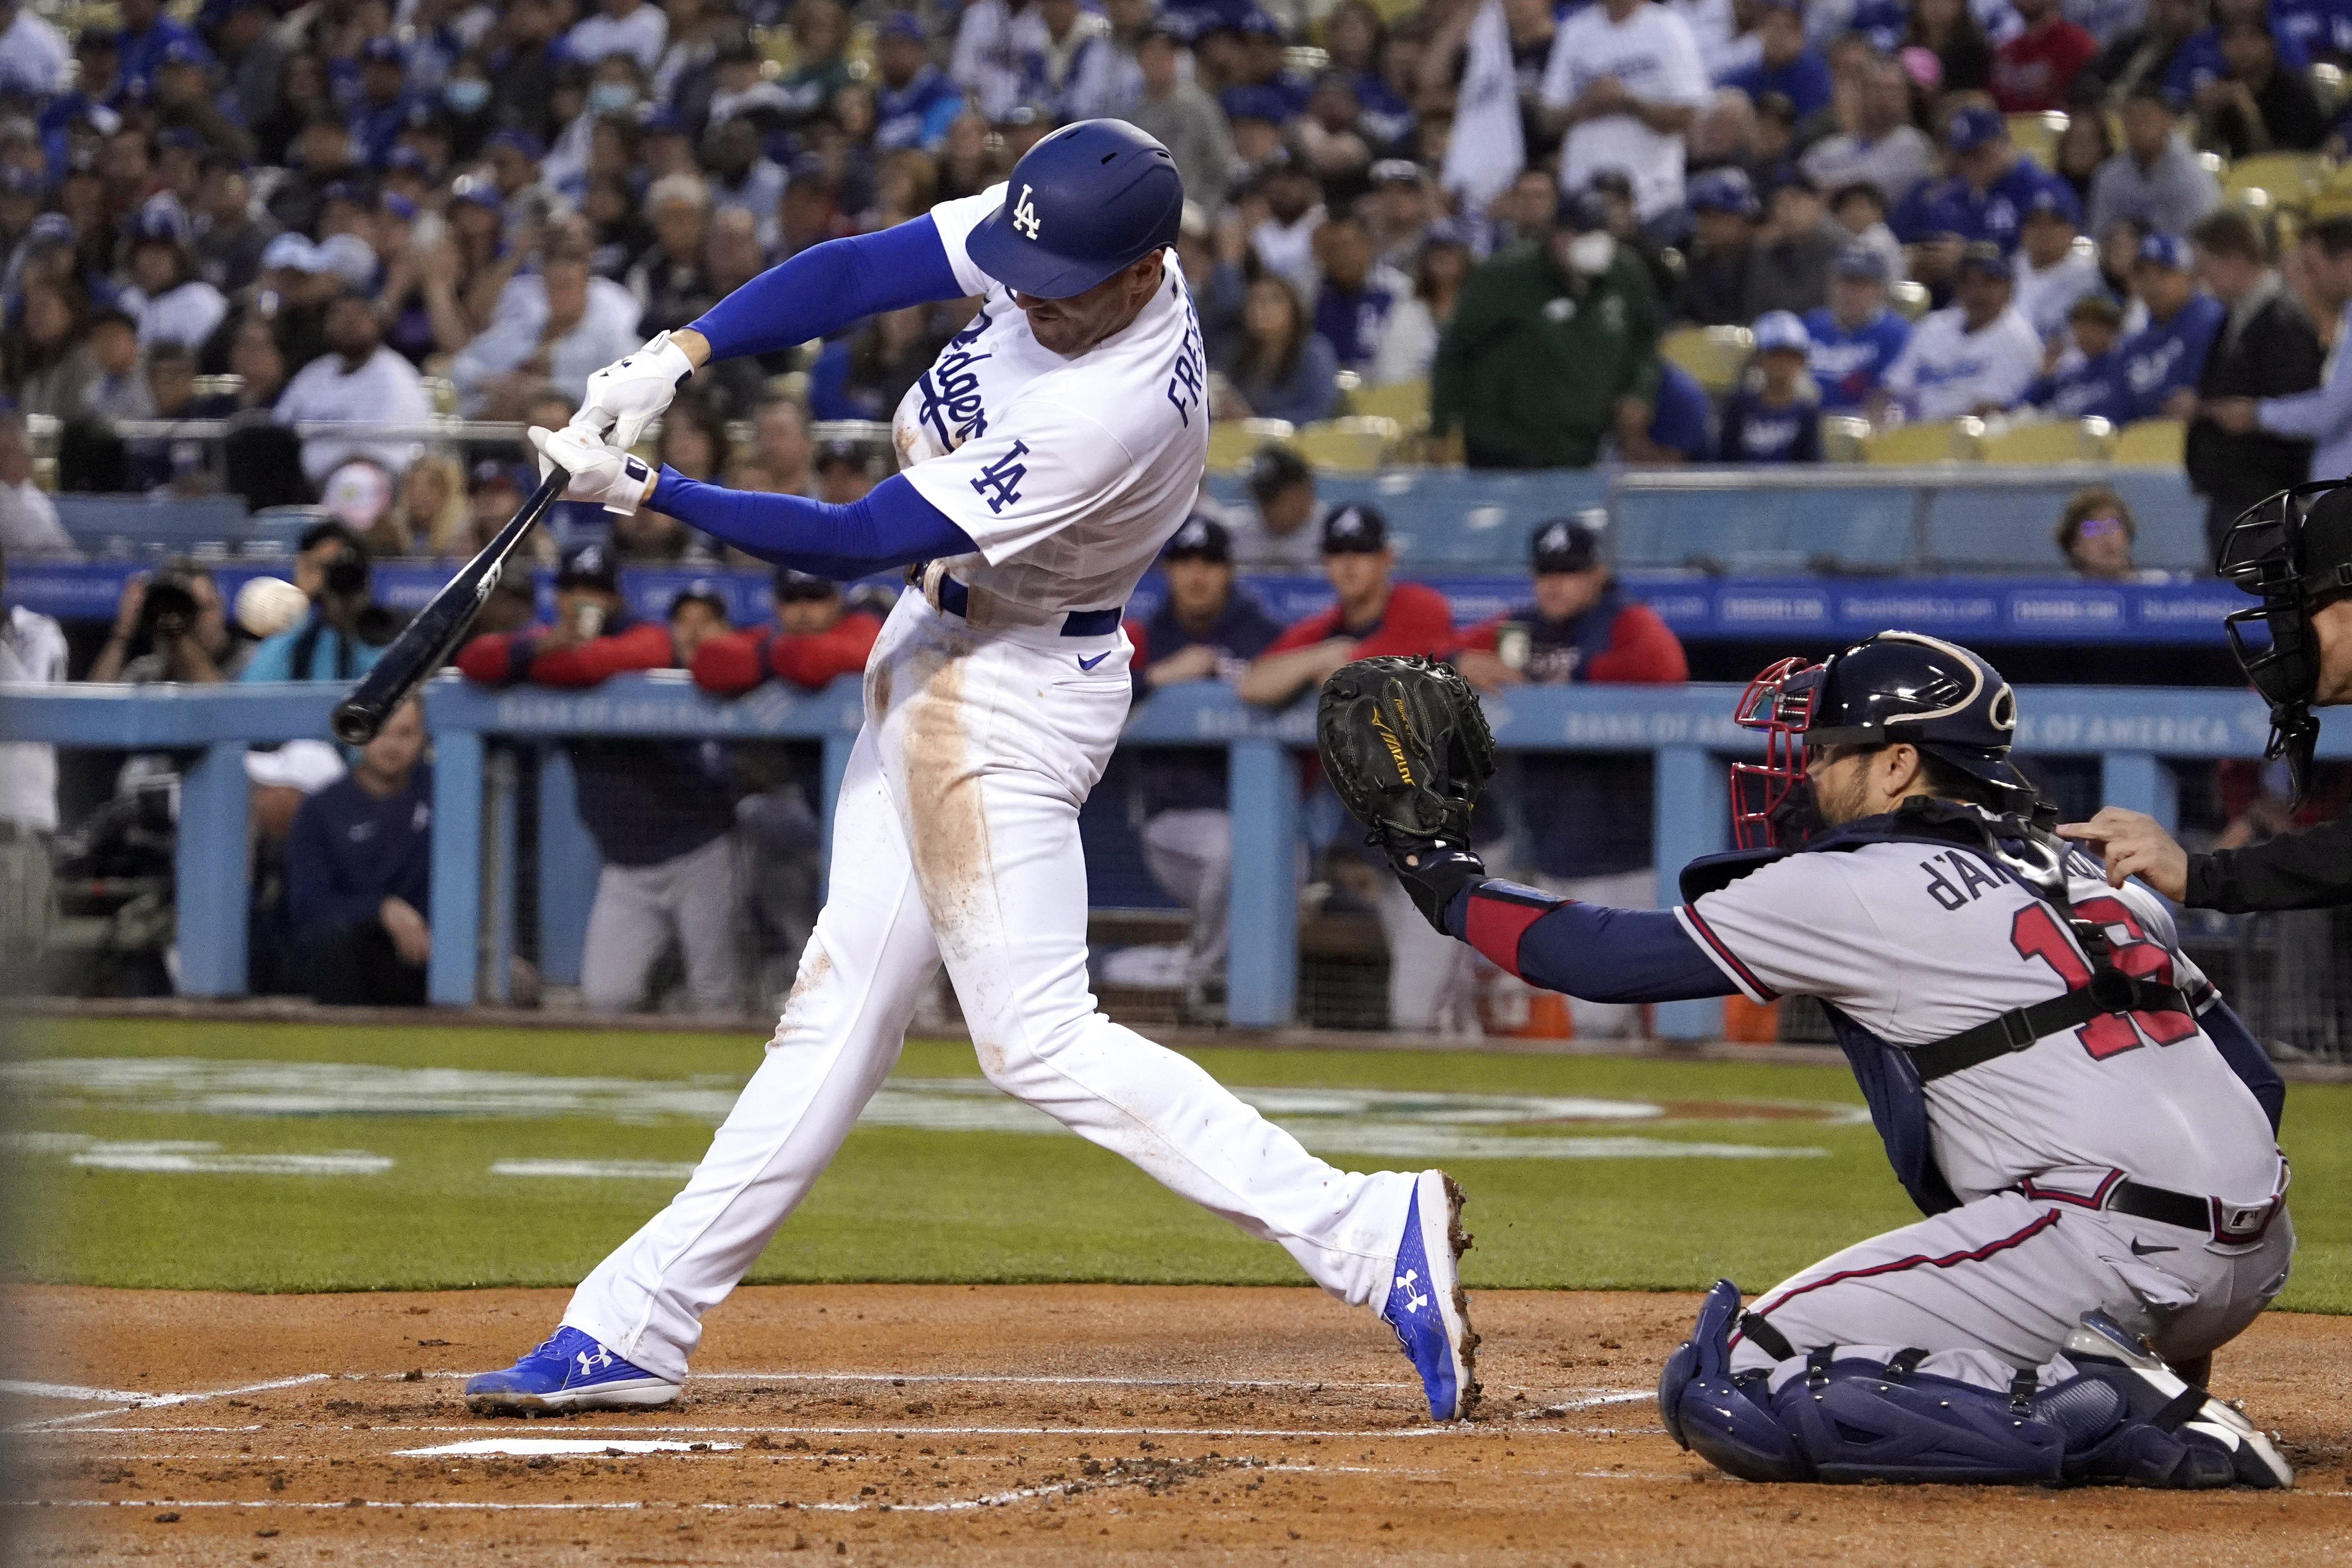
605, 475
632, 391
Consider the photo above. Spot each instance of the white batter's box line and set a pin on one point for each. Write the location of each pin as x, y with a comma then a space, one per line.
120, 1401
1327, 1385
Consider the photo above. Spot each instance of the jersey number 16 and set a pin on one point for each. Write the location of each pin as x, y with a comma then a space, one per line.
2036, 934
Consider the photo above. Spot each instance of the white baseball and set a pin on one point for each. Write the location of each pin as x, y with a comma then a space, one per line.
269, 605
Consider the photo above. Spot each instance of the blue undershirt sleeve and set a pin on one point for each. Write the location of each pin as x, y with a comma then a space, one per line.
891, 526
827, 286
2246, 1058
1587, 950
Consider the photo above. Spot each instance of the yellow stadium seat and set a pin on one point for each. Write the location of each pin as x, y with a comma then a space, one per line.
1909, 299
2051, 441
2290, 178
1407, 403
1354, 444
2150, 443
1233, 441
1842, 437
1712, 355
2036, 135
1959, 441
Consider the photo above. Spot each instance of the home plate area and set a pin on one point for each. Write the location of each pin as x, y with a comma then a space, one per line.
1013, 1424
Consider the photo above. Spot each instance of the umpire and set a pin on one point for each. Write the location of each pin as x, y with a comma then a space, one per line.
2295, 551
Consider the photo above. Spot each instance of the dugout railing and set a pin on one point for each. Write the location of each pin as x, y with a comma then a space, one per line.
2133, 732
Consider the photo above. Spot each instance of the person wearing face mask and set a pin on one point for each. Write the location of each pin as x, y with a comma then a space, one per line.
614, 91
1545, 341
466, 107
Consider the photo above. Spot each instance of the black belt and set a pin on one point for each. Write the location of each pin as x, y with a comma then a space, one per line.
956, 600
2236, 1223
2110, 991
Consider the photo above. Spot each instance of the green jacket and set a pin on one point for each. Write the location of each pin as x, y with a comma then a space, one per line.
1534, 360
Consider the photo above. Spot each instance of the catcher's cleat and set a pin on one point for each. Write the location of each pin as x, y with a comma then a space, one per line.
569, 1371
2160, 1398
1426, 1305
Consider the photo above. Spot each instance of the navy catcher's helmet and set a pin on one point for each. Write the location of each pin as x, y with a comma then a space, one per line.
1082, 204
1899, 686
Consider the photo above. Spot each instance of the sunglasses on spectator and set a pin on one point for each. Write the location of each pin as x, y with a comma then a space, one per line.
2098, 528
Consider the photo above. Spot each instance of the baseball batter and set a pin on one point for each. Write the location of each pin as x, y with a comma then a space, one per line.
1047, 456
2088, 1127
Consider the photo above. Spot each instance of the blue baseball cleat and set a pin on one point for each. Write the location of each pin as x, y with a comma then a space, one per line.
569, 1371
1425, 1305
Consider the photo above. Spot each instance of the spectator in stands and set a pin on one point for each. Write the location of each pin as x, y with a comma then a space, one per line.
172, 304
2322, 416
1398, 212
1204, 630
177, 615
430, 515
1626, 83
1286, 531
231, 233
345, 633
1875, 141
662, 813
359, 873
815, 639
1586, 834
1545, 343
358, 380
2035, 70
1948, 31
2163, 360
2083, 149
1976, 357
1409, 338
1674, 424
37, 61
1795, 247
29, 530
1186, 119
2090, 383
1280, 368
1785, 63
2051, 274
1356, 292
32, 652
1861, 211
781, 444
2141, 58
1775, 415
1429, 988
119, 391
2266, 348
1855, 337
1983, 199
551, 334
863, 375
630, 27
851, 458
2096, 532
1283, 237
914, 102
2262, 104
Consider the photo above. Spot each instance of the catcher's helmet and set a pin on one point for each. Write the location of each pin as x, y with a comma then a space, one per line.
1079, 205
2294, 551
1903, 686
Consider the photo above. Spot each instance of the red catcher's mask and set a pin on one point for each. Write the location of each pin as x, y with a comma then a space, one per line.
1772, 800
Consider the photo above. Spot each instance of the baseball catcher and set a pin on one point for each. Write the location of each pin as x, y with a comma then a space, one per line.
2087, 1128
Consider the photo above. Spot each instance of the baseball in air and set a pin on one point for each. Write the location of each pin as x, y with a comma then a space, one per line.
269, 605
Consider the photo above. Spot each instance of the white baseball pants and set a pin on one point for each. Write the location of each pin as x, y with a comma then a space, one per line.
956, 840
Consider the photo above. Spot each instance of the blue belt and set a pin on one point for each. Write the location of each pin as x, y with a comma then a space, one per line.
956, 600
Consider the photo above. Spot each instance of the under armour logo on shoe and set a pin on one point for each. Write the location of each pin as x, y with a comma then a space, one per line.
593, 1362
1414, 1301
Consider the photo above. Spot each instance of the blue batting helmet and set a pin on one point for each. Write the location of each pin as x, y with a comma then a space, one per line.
1082, 204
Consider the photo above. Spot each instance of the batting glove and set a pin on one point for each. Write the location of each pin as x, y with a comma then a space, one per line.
632, 391
605, 475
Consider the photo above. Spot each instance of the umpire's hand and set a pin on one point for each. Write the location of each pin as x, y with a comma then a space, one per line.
2133, 843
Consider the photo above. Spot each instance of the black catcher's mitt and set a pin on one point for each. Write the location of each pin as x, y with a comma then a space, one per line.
1407, 747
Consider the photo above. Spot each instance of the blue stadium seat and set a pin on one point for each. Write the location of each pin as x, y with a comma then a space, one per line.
2009, 530
147, 527
1767, 532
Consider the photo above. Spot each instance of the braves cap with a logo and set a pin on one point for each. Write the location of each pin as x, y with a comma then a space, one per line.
590, 564
1082, 204
1202, 538
792, 586
1355, 530
1567, 544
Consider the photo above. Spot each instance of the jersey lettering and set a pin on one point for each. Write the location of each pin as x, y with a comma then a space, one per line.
952, 403
2036, 934
1000, 481
1190, 373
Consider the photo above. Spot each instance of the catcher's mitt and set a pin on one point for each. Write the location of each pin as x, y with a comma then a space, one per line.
1407, 747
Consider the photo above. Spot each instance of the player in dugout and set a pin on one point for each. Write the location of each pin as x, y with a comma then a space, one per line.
2294, 551
2086, 1125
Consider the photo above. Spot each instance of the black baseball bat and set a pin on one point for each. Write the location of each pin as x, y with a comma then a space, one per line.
425, 644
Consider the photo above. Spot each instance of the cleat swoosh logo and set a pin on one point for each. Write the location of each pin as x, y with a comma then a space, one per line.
2141, 1251
1090, 664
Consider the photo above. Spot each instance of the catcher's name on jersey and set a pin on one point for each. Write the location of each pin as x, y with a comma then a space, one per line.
1068, 473
1917, 941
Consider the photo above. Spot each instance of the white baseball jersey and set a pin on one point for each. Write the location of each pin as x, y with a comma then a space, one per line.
1070, 474
1916, 942
1652, 55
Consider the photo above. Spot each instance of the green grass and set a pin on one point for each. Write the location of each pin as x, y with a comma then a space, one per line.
952, 1206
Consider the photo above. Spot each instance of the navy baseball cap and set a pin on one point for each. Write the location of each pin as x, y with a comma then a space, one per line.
1276, 469
2053, 200
589, 565
1085, 202
1983, 255
1202, 538
185, 52
1255, 102
903, 25
792, 586
2166, 250
1355, 530
1723, 191
521, 140
1567, 544
1781, 329
1859, 260
701, 590
1973, 125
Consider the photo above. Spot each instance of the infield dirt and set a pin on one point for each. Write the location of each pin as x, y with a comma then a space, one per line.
1011, 1424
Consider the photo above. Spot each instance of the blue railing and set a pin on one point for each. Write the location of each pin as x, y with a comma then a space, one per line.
2133, 731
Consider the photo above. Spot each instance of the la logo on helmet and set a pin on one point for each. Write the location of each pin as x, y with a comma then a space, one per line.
1024, 216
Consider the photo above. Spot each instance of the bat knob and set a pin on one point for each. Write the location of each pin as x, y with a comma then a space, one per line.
354, 726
